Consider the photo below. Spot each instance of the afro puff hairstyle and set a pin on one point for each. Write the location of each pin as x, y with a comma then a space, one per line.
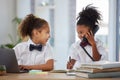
89, 16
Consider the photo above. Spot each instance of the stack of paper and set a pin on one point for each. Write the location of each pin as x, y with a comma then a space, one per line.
99, 69
95, 70
98, 75
101, 64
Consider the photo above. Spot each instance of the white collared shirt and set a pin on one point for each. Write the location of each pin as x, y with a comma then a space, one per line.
26, 57
77, 52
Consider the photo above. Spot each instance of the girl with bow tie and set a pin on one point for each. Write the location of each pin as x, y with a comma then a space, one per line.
36, 53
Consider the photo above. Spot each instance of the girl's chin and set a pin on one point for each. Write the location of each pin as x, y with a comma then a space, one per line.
44, 43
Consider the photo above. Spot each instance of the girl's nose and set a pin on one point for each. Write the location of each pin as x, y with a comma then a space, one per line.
49, 36
80, 36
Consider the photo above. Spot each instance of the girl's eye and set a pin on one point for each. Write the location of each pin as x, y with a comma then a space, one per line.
80, 32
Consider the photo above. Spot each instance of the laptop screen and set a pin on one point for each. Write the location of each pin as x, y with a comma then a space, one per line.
8, 58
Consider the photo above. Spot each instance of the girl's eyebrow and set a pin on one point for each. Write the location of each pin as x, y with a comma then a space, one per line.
79, 31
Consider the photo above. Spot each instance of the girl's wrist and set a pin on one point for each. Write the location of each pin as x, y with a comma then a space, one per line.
93, 44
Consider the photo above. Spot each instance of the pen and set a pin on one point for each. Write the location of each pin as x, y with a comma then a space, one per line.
70, 64
70, 59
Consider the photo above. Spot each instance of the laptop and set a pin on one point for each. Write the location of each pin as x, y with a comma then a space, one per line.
8, 58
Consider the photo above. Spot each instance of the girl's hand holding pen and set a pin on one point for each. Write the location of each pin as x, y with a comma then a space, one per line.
70, 63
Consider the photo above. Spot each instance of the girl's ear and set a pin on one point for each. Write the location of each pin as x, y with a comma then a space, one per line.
35, 32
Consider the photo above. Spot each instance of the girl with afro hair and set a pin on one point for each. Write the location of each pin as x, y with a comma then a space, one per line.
87, 24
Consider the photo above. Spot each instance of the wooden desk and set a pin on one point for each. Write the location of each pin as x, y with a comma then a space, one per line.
49, 76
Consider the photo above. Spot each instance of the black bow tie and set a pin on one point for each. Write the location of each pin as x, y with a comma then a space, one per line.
38, 47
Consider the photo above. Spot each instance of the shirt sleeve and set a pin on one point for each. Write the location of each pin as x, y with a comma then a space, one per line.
102, 51
73, 53
49, 53
17, 50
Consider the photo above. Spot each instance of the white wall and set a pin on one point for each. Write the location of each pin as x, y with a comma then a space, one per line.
61, 33
23, 8
112, 30
7, 14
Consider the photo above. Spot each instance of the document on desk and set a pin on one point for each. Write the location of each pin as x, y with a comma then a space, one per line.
58, 71
95, 70
67, 72
61, 71
40, 72
101, 64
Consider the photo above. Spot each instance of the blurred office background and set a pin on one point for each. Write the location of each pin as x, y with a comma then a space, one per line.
61, 15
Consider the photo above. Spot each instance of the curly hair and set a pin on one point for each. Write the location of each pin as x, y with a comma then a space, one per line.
29, 23
89, 16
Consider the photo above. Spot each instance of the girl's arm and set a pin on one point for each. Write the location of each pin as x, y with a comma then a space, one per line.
96, 54
49, 65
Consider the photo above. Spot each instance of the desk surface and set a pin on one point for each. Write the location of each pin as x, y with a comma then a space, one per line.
49, 76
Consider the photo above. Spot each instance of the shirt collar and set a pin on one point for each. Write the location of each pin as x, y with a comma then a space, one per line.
30, 42
81, 40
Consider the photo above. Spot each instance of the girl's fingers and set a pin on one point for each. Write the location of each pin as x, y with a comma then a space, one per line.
91, 32
88, 33
69, 65
22, 67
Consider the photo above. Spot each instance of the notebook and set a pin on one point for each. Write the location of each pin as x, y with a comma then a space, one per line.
95, 70
101, 64
98, 75
8, 58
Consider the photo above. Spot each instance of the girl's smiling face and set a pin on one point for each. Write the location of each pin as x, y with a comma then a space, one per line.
82, 30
